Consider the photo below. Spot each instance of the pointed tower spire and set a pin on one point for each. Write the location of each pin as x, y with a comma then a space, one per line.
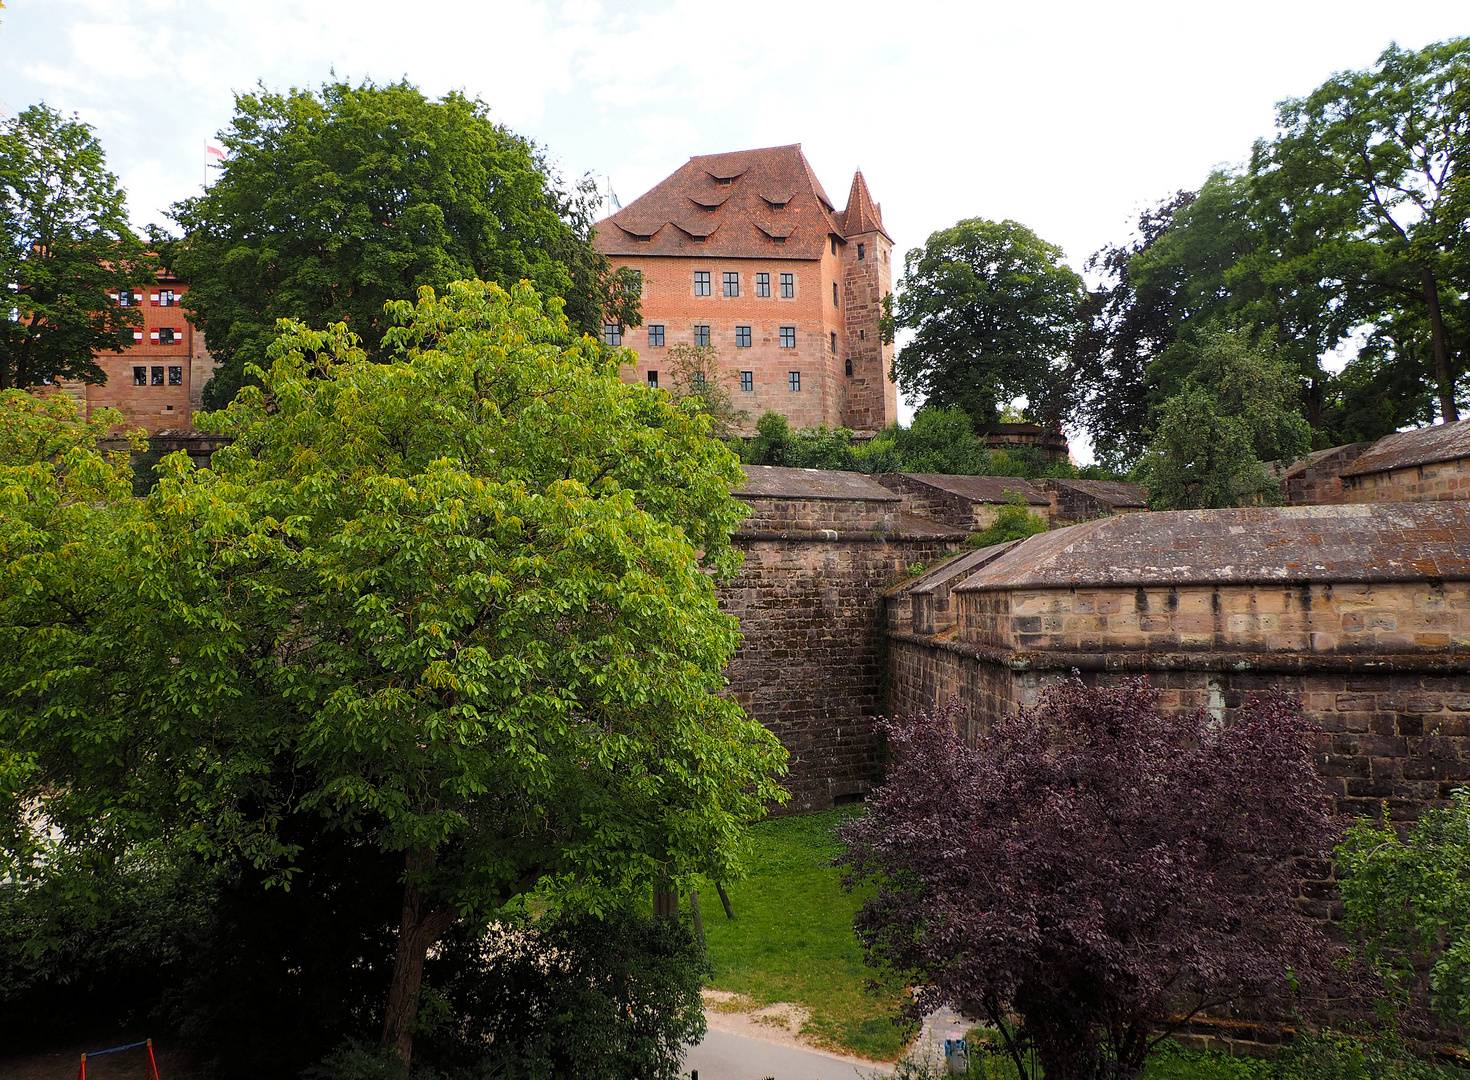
861, 215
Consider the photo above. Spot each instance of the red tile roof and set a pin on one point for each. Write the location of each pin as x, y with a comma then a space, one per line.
862, 214
747, 204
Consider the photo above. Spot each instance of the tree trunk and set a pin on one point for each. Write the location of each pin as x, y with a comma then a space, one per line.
419, 930
1448, 413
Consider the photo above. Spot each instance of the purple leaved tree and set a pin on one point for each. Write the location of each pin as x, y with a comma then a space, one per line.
1096, 871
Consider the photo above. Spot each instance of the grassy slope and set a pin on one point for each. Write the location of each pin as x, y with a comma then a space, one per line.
792, 938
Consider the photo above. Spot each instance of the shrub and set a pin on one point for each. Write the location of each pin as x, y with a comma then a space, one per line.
1099, 867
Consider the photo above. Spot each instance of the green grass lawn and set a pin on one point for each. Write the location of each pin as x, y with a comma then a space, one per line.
792, 939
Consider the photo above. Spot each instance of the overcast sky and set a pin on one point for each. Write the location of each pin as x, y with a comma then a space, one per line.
1067, 117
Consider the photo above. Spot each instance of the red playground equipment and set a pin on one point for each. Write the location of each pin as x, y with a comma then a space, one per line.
152, 1064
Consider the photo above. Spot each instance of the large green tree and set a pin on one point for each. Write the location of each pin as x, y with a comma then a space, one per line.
459, 604
1236, 410
1370, 162
993, 308
66, 250
1126, 325
331, 203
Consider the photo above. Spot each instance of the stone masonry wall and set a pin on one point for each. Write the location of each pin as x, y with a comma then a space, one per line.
1416, 483
813, 664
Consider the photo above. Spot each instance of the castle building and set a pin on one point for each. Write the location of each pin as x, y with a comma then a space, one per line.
157, 383
744, 251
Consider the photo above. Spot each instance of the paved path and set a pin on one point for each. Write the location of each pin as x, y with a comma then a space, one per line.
726, 1056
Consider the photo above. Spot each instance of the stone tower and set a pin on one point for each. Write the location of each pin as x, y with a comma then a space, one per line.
867, 277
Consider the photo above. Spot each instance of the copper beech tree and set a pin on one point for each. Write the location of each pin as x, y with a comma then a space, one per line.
1095, 868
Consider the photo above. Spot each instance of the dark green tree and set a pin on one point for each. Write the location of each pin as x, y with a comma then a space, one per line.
1126, 325
993, 309
67, 250
332, 203
1237, 409
1365, 171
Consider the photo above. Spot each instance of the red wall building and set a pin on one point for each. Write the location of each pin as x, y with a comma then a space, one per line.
745, 252
157, 383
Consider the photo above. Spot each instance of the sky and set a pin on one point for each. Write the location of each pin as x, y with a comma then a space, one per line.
1067, 117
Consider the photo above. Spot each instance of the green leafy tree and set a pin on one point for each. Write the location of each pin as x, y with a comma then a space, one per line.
993, 309
774, 443
65, 249
1365, 168
1013, 521
1126, 325
460, 605
330, 204
938, 441
1237, 409
695, 372
1407, 903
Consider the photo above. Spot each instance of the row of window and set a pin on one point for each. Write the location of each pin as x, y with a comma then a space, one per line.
612, 334
143, 376
133, 298
164, 335
730, 284
747, 381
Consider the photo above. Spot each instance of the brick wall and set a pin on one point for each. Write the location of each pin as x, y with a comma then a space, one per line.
669, 301
171, 384
1434, 482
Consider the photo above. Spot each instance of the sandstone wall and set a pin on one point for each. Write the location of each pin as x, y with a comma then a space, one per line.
1415, 483
813, 663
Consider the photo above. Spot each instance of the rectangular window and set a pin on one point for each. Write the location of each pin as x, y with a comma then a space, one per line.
834, 294
126, 298
793, 381
763, 284
165, 335
166, 298
834, 342
788, 286
656, 333
140, 376
732, 283
862, 252
747, 381
788, 337
701, 335
834, 244
612, 334
742, 337
701, 283
696, 382
176, 376
653, 380
156, 378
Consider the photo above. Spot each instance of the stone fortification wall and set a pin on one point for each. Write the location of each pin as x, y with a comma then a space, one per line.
820, 549
1413, 483
1360, 612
